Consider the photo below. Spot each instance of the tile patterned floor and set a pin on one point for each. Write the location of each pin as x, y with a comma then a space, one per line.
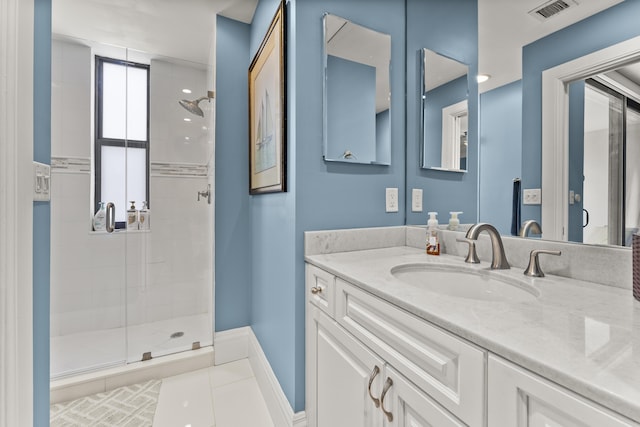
221, 396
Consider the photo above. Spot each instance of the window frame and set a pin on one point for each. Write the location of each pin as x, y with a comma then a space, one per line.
100, 141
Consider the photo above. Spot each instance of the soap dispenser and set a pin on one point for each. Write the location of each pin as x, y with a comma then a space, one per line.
132, 217
454, 221
433, 244
100, 218
144, 215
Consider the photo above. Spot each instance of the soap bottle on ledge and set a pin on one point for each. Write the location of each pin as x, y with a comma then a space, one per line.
132, 217
454, 221
433, 244
144, 216
100, 218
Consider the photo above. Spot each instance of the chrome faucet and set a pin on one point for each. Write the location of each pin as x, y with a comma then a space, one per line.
499, 261
530, 226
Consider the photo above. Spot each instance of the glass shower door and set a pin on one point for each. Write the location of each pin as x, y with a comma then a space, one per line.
88, 271
169, 262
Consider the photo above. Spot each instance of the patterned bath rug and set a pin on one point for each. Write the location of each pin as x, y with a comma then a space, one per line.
129, 406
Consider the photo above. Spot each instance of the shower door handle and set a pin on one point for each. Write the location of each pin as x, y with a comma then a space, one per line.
111, 217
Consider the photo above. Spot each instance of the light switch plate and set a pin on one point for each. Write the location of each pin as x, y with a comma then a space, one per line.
392, 199
532, 196
416, 200
41, 182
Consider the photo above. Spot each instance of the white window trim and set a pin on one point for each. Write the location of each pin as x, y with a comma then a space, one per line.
16, 212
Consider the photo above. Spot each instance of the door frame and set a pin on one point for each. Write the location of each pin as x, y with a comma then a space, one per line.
555, 132
16, 211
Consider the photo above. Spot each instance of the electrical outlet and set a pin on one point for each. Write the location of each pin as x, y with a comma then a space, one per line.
41, 182
532, 196
416, 200
392, 199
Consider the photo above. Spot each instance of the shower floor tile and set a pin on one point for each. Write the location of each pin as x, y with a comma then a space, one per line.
89, 351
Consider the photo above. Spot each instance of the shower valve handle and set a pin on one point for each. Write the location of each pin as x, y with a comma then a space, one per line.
206, 193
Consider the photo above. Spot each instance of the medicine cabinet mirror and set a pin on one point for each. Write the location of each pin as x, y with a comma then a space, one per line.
445, 92
357, 95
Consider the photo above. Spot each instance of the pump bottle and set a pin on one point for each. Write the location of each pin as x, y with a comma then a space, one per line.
433, 244
454, 221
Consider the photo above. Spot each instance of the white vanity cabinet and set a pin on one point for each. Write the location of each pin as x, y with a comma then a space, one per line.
372, 364
519, 398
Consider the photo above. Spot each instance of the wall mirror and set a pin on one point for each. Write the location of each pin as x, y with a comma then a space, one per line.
599, 201
445, 92
357, 96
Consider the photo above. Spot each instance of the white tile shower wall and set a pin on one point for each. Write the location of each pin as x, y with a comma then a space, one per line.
168, 271
70, 99
176, 140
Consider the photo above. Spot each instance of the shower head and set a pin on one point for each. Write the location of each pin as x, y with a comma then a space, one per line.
192, 106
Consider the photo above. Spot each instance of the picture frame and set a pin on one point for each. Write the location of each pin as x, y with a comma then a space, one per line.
267, 111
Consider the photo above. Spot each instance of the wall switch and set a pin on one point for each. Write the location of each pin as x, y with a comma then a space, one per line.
416, 200
392, 199
532, 196
41, 182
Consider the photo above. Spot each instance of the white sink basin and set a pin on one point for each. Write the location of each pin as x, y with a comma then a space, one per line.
464, 282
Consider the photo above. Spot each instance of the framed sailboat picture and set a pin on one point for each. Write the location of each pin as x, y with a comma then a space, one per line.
267, 112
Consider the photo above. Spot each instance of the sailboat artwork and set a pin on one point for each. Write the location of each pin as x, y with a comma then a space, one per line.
265, 144
267, 114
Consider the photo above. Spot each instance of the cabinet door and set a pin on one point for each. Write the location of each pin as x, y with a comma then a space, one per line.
405, 405
344, 377
519, 398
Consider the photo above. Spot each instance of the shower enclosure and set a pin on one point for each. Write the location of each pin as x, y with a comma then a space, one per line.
142, 286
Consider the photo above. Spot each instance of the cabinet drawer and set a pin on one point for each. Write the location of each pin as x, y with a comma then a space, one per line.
449, 369
320, 288
519, 398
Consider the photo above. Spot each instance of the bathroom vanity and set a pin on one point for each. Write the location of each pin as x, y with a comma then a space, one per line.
384, 350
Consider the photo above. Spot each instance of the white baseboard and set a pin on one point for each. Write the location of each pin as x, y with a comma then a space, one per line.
242, 343
231, 345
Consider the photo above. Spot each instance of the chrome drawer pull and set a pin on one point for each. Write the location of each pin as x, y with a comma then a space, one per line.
316, 290
373, 375
387, 386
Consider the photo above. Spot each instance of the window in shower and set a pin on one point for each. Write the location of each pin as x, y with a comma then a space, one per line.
121, 135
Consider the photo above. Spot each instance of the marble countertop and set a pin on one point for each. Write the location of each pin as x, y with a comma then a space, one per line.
581, 335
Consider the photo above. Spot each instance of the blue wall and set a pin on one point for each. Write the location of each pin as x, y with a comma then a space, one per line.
450, 28
437, 99
500, 153
41, 211
320, 195
351, 109
232, 232
609, 27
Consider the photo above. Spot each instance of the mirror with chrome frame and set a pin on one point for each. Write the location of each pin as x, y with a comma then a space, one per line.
445, 92
357, 95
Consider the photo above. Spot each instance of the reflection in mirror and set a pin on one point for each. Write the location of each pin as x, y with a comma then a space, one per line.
604, 145
357, 96
445, 91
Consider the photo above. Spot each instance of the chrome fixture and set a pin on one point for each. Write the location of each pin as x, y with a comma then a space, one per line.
206, 193
499, 261
192, 106
533, 269
530, 226
111, 217
472, 255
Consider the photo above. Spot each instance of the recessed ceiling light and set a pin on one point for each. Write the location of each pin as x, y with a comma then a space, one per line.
186, 119
481, 78
186, 90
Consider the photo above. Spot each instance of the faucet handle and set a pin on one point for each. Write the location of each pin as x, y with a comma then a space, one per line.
533, 269
472, 255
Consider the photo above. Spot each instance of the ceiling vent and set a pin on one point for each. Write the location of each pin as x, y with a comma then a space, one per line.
551, 8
